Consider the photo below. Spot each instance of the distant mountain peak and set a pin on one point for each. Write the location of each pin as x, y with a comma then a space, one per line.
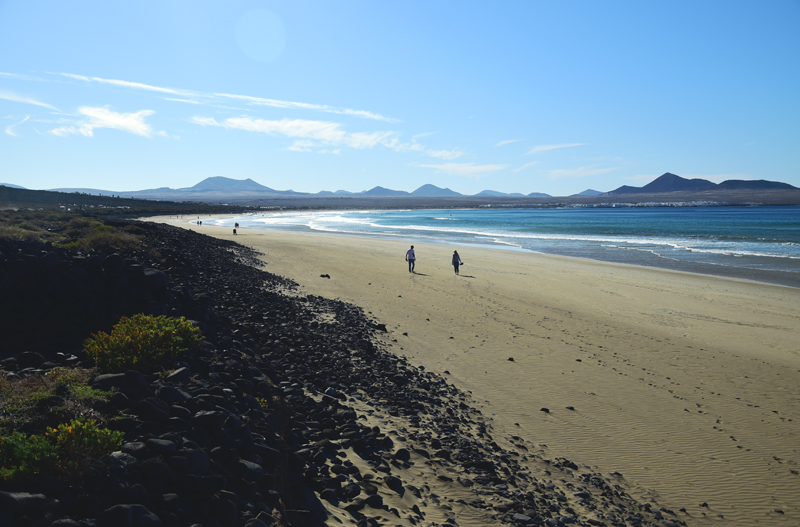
222, 183
429, 190
381, 191
667, 182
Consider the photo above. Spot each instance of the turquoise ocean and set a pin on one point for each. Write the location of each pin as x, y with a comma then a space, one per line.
754, 243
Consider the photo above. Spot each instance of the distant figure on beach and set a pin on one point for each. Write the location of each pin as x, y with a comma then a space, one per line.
456, 261
234, 232
411, 258
236, 225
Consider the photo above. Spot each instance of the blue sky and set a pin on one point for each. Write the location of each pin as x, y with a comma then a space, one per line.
534, 96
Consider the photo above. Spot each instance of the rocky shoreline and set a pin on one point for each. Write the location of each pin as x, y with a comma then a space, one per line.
291, 413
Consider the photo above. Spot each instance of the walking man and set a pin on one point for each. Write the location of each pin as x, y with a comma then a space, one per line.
411, 259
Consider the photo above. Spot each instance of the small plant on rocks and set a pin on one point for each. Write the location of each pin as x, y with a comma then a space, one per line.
35, 402
23, 456
80, 440
142, 342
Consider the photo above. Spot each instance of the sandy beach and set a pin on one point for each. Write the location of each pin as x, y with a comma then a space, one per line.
686, 385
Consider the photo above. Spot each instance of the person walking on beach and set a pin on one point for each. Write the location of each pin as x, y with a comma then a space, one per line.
456, 261
411, 258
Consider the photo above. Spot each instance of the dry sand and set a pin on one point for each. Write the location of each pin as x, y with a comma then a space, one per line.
688, 385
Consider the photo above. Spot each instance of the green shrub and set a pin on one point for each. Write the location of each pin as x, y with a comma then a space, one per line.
17, 233
142, 342
23, 456
105, 237
80, 439
90, 233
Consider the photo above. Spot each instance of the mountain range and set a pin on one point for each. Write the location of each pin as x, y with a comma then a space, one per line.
671, 183
219, 185
219, 188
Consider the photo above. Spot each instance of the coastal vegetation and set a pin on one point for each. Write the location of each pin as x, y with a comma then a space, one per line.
65, 229
50, 424
142, 342
53, 424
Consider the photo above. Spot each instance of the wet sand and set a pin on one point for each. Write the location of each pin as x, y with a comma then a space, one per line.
688, 385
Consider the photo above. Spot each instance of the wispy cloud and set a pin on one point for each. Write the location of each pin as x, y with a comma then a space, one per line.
104, 118
192, 96
324, 132
466, 169
580, 172
189, 101
398, 146
321, 131
127, 84
507, 142
545, 148
302, 145
18, 76
445, 154
310, 135
306, 106
10, 128
526, 165
25, 100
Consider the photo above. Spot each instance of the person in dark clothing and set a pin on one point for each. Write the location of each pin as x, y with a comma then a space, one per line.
456, 261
